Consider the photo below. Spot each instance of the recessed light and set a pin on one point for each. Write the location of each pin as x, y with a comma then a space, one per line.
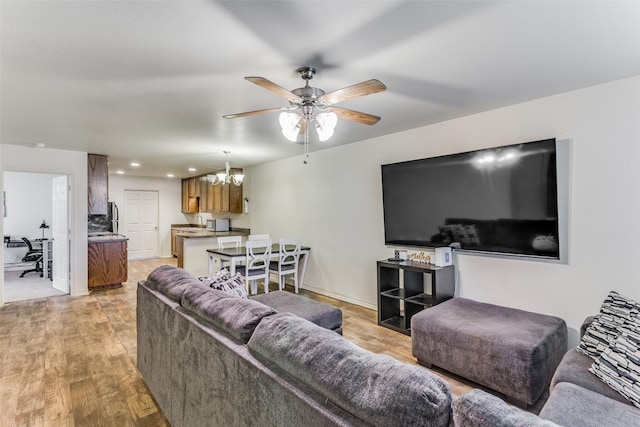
135, 164
169, 175
120, 172
192, 169
39, 145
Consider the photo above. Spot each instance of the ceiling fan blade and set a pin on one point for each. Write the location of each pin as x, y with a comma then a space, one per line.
360, 89
252, 113
355, 116
278, 90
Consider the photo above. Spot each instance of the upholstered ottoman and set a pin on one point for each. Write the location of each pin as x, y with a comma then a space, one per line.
512, 351
314, 311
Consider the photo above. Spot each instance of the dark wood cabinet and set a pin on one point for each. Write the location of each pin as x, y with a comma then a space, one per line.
98, 184
406, 288
108, 263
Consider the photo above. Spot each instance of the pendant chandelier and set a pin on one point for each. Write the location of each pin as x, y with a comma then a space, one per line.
226, 177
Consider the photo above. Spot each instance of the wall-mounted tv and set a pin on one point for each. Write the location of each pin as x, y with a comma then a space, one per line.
501, 200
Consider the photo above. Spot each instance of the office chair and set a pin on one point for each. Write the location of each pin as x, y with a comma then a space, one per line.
34, 256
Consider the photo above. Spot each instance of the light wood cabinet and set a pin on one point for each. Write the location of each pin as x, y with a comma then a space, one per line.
98, 184
190, 203
174, 242
107, 263
211, 198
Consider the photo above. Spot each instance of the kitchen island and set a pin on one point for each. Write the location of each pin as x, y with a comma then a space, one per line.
192, 244
108, 261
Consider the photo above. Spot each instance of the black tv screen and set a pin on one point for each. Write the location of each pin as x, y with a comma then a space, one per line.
498, 200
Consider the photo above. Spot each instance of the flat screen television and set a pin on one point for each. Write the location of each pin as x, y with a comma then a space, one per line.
501, 200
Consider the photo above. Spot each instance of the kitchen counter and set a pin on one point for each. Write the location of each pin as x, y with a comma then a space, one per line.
192, 244
207, 233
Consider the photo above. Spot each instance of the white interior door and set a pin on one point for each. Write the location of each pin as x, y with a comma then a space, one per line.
141, 223
60, 233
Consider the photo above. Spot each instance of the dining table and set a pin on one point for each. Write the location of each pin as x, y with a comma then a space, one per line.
236, 255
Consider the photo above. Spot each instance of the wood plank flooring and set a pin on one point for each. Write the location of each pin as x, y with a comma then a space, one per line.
72, 361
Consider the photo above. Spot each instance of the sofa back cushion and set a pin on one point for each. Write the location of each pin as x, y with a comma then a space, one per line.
235, 317
172, 281
376, 388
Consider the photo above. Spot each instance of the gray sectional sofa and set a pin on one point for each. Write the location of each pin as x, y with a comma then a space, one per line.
577, 398
211, 359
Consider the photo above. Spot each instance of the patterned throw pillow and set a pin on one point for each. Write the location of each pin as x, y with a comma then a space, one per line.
619, 365
616, 312
224, 281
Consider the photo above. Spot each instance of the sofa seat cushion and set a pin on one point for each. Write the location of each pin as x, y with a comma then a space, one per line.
573, 406
236, 317
375, 388
321, 314
481, 409
172, 281
574, 369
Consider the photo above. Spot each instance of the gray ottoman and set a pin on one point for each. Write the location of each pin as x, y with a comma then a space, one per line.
321, 314
512, 351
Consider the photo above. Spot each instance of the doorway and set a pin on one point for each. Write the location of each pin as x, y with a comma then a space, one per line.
34, 211
141, 223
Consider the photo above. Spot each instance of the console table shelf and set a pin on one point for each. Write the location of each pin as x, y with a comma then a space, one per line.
406, 288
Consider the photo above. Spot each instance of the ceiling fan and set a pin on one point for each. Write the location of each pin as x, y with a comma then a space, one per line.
310, 104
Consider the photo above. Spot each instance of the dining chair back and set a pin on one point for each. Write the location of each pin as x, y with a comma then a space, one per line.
258, 254
229, 242
288, 258
258, 237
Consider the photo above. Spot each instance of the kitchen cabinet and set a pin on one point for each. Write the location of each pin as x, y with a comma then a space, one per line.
98, 184
190, 203
174, 242
107, 262
211, 198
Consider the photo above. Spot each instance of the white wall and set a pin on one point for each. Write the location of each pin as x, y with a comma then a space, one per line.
335, 203
29, 201
57, 162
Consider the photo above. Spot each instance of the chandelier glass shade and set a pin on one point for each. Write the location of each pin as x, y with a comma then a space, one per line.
226, 177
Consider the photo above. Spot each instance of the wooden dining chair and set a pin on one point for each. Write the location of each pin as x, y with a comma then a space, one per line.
287, 263
229, 242
256, 264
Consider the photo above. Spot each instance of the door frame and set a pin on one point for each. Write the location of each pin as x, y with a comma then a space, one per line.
68, 213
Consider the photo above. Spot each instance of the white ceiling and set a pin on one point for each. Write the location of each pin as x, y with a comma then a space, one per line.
149, 81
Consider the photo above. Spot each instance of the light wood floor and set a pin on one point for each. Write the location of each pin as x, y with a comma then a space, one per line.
72, 361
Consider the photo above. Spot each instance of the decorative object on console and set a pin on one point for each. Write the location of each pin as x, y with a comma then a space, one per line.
443, 257
420, 257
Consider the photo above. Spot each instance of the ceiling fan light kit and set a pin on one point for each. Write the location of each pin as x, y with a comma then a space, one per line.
309, 104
